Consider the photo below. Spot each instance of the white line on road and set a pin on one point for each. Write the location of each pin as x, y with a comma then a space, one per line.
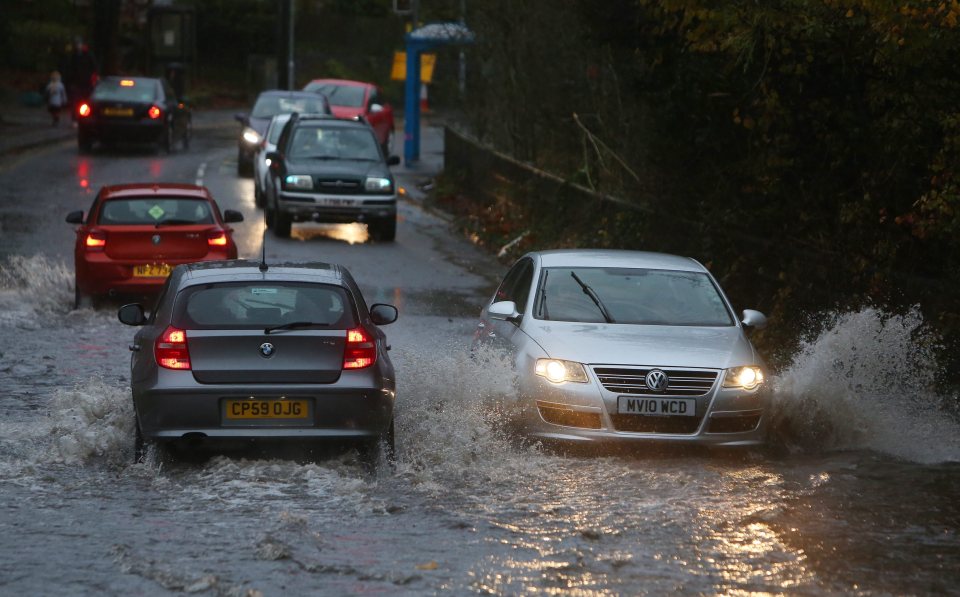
200, 172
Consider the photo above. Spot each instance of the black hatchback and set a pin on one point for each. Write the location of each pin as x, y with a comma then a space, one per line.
133, 110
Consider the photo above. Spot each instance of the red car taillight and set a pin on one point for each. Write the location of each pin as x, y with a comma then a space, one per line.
171, 349
84, 110
95, 240
217, 238
154, 113
360, 351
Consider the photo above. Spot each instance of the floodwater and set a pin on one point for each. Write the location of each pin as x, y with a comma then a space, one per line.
858, 493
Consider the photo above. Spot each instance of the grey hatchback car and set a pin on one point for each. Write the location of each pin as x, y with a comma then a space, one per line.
239, 350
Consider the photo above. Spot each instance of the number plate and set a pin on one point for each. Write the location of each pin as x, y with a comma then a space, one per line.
266, 409
335, 202
152, 270
118, 111
660, 407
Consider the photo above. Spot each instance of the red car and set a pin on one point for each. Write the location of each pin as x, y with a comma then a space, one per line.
135, 234
349, 99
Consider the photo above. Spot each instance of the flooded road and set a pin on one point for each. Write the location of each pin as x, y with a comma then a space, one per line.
857, 494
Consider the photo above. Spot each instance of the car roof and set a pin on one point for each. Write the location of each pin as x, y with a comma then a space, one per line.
164, 189
345, 82
289, 93
615, 258
244, 270
328, 119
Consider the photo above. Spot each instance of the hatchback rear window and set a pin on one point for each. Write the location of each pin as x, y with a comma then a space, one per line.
127, 90
241, 305
156, 210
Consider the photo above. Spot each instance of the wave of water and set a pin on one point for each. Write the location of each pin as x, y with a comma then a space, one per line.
31, 287
867, 380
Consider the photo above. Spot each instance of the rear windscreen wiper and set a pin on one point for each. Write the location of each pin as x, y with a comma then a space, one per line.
294, 325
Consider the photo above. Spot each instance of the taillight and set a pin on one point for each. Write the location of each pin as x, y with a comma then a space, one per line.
95, 240
171, 349
360, 351
84, 110
154, 112
217, 238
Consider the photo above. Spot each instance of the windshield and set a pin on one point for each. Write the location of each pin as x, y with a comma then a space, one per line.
156, 210
247, 305
334, 143
126, 90
268, 106
631, 296
350, 96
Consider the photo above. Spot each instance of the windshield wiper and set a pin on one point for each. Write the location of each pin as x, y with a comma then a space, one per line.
295, 325
544, 312
174, 222
593, 295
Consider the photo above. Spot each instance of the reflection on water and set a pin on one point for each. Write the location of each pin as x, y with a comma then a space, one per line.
350, 233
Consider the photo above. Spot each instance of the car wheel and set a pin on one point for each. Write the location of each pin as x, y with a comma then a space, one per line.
84, 143
139, 443
81, 300
282, 223
257, 195
382, 449
384, 230
387, 144
244, 165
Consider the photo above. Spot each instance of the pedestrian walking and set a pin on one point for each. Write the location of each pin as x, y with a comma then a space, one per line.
56, 96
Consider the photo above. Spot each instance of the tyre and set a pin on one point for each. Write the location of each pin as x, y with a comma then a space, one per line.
244, 165
84, 143
387, 144
139, 443
379, 450
257, 195
282, 224
81, 300
384, 230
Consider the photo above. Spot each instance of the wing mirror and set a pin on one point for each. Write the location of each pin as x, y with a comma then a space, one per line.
132, 314
241, 118
231, 215
504, 311
382, 314
75, 217
374, 108
754, 319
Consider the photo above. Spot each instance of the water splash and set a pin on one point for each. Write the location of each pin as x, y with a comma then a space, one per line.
867, 381
31, 287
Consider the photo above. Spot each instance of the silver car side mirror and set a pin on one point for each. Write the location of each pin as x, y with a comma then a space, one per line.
503, 310
754, 319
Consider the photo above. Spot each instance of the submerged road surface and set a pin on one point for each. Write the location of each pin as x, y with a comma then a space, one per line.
857, 495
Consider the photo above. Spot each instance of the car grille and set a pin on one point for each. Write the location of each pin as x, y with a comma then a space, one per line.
643, 424
683, 382
339, 186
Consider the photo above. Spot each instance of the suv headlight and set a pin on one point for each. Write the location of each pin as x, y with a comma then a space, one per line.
378, 185
748, 378
559, 371
250, 136
298, 182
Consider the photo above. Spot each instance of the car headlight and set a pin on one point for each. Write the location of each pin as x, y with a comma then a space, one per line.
559, 371
299, 182
378, 185
747, 378
250, 136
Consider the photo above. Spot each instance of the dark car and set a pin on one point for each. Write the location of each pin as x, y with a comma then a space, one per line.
133, 110
268, 105
352, 99
235, 350
330, 170
134, 235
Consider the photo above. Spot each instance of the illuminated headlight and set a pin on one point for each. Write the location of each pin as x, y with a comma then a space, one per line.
559, 371
299, 182
378, 185
251, 136
747, 378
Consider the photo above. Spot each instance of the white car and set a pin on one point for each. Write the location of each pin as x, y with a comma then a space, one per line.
626, 346
261, 170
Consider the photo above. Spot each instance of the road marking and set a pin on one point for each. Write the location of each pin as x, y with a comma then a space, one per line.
200, 172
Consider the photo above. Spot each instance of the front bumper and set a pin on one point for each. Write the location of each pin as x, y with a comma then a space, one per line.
359, 406
588, 412
323, 207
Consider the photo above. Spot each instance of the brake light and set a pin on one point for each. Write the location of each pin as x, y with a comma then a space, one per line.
95, 240
127, 83
153, 112
217, 238
171, 349
360, 351
84, 110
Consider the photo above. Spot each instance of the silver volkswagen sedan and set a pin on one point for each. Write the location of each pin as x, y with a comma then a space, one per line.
626, 346
238, 350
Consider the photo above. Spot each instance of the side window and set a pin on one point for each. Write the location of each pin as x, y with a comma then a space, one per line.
93, 208
516, 285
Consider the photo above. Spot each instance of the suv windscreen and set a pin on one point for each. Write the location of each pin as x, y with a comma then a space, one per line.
340, 143
251, 305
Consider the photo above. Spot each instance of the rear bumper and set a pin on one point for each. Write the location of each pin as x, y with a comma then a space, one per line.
337, 208
135, 131
97, 274
356, 407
